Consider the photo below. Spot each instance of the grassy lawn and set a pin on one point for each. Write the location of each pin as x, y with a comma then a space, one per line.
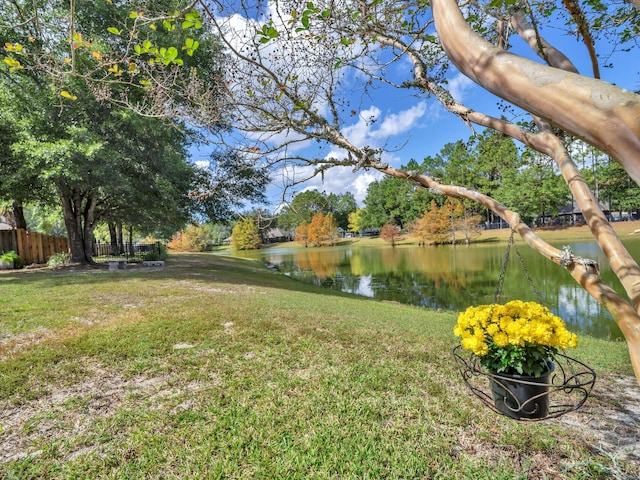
216, 367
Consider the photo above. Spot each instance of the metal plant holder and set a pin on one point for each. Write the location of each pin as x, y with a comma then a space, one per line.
566, 390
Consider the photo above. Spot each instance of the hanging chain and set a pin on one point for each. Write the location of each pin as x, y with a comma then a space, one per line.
505, 262
526, 272
503, 271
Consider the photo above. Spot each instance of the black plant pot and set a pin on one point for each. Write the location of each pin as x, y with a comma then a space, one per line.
521, 396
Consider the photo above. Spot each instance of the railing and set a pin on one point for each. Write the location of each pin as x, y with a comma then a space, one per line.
133, 253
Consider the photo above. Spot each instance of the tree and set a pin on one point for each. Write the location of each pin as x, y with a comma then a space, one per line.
196, 238
438, 224
618, 190
245, 235
102, 162
394, 200
302, 209
302, 234
322, 230
341, 206
228, 182
535, 190
356, 221
296, 59
390, 232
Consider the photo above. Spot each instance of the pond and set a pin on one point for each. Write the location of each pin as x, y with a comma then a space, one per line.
453, 277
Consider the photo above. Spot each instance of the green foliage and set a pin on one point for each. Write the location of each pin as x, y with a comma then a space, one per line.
302, 209
306, 204
394, 200
340, 206
159, 252
58, 260
228, 182
245, 235
268, 33
45, 219
10, 257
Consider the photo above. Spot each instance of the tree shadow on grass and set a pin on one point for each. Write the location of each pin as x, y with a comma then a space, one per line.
197, 267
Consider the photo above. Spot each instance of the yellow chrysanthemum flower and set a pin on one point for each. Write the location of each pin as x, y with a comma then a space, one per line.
486, 329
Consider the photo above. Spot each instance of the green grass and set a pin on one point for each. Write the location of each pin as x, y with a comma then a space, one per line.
215, 367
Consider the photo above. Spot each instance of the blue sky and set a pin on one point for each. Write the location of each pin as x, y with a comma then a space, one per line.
413, 127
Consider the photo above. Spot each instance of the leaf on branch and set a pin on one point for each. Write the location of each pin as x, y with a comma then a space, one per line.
13, 47
68, 95
268, 33
96, 55
115, 70
192, 20
190, 45
114, 30
13, 64
77, 41
168, 25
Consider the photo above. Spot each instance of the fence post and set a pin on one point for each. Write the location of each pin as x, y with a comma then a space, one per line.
23, 249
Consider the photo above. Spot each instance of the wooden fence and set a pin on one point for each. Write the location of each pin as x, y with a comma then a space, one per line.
32, 247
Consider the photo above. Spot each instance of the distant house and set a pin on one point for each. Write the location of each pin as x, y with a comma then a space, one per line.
5, 226
275, 235
571, 214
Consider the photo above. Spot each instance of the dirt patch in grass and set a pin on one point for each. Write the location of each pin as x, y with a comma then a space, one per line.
610, 419
69, 412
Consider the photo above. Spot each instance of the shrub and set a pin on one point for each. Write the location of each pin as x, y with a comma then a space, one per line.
10, 257
159, 252
58, 259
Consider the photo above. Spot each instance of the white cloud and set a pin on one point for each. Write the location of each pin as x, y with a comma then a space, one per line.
397, 123
203, 164
340, 180
373, 129
459, 86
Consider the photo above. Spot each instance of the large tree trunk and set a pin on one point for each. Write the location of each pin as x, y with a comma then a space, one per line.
604, 115
113, 238
120, 235
78, 211
18, 214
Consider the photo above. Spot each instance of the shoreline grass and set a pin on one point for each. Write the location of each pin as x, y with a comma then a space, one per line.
216, 367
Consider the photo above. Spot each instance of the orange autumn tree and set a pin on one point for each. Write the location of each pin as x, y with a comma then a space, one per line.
323, 230
302, 234
439, 225
390, 233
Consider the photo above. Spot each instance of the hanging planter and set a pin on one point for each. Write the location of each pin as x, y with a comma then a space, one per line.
516, 347
564, 390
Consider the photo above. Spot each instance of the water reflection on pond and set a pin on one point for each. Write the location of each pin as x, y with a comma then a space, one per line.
451, 277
